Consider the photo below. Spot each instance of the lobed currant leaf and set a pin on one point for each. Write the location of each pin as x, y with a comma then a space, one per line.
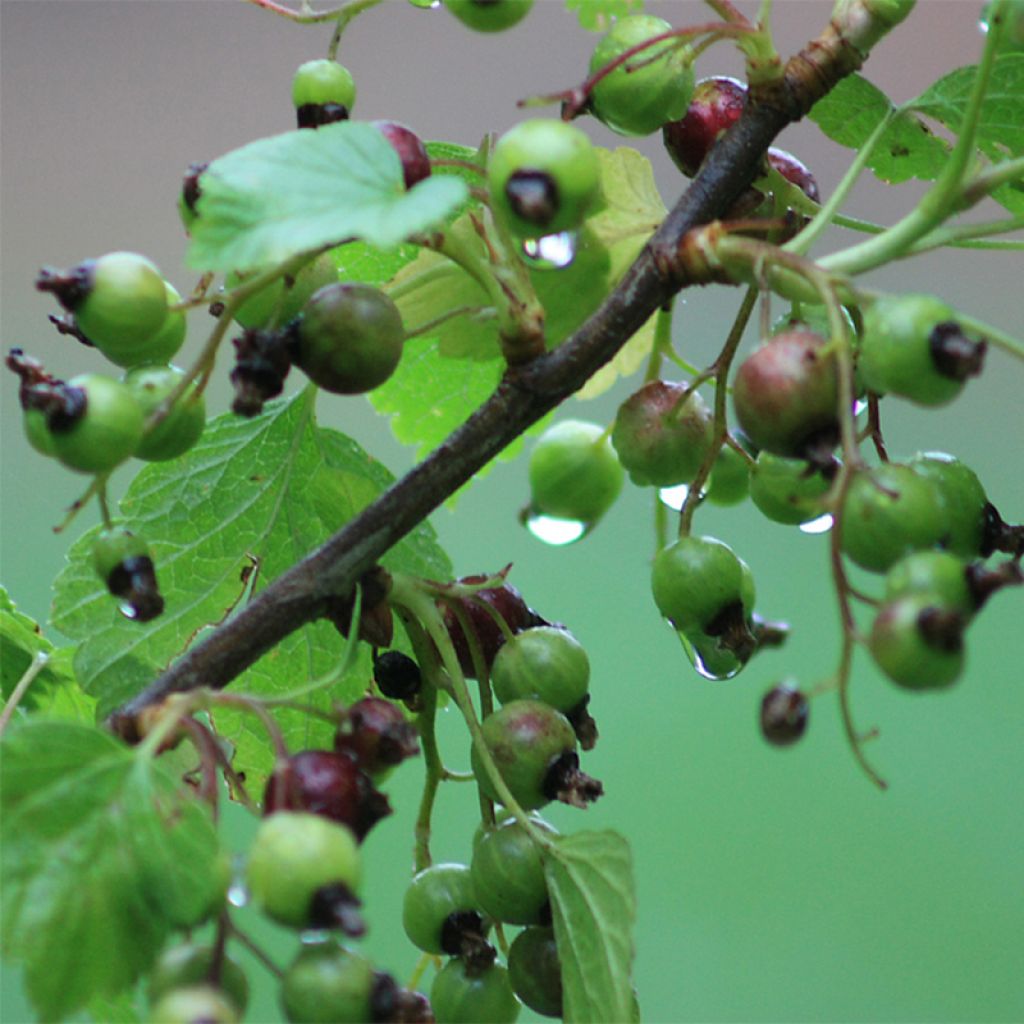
593, 901
289, 193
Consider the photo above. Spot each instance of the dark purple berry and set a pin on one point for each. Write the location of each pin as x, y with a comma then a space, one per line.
784, 711
410, 149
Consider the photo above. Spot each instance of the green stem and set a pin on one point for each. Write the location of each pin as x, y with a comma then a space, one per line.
36, 666
479, 313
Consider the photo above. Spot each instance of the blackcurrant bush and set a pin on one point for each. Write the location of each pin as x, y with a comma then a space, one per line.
786, 396
323, 91
917, 643
189, 964
784, 711
788, 490
119, 302
410, 149
698, 582
441, 913
195, 1004
574, 472
489, 15
544, 177
461, 995
662, 434
535, 970
648, 89
507, 872
329, 784
304, 871
183, 425
729, 482
888, 512
481, 612
715, 105
544, 663
328, 984
533, 747
376, 735
348, 338
912, 346
961, 496
397, 675
122, 561
97, 424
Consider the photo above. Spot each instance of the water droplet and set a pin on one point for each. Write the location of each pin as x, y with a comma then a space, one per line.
556, 532
859, 406
129, 611
711, 663
820, 525
238, 894
552, 252
674, 496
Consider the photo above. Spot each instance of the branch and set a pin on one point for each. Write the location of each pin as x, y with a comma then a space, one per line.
525, 394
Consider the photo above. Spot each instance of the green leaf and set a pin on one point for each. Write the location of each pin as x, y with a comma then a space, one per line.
590, 880
55, 689
597, 15
1000, 126
294, 192
102, 853
269, 489
907, 149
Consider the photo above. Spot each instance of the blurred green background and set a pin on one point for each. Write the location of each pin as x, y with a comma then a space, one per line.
773, 885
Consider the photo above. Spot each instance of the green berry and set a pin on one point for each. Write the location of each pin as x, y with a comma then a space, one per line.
189, 964
183, 425
349, 338
788, 490
648, 89
463, 996
544, 177
197, 1004
535, 970
939, 574
328, 984
281, 300
98, 427
961, 497
37, 432
165, 344
489, 15
917, 643
912, 346
662, 434
574, 472
729, 482
888, 512
533, 746
322, 84
293, 858
440, 910
544, 663
123, 562
507, 871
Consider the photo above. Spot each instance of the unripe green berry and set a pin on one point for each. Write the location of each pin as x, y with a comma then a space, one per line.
349, 338
434, 895
918, 644
165, 344
189, 964
788, 490
459, 996
574, 472
197, 1004
544, 177
182, 426
960, 496
544, 663
123, 562
38, 433
100, 427
319, 82
939, 574
729, 482
489, 15
648, 89
328, 984
535, 970
281, 301
293, 856
507, 871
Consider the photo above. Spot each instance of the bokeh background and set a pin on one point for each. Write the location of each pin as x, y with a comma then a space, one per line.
773, 885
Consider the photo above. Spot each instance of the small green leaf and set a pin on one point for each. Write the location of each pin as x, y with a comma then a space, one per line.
55, 688
100, 858
291, 193
590, 881
250, 492
907, 149
1001, 119
598, 15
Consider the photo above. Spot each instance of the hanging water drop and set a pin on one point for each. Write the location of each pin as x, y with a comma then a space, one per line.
711, 662
553, 531
552, 252
238, 894
674, 497
820, 525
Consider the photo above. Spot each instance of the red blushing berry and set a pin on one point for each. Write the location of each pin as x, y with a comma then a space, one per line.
410, 149
716, 104
376, 735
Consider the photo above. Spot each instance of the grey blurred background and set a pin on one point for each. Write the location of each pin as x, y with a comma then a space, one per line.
773, 885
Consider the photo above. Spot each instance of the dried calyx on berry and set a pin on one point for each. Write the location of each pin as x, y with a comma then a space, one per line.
262, 362
328, 784
122, 561
191, 190
376, 735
